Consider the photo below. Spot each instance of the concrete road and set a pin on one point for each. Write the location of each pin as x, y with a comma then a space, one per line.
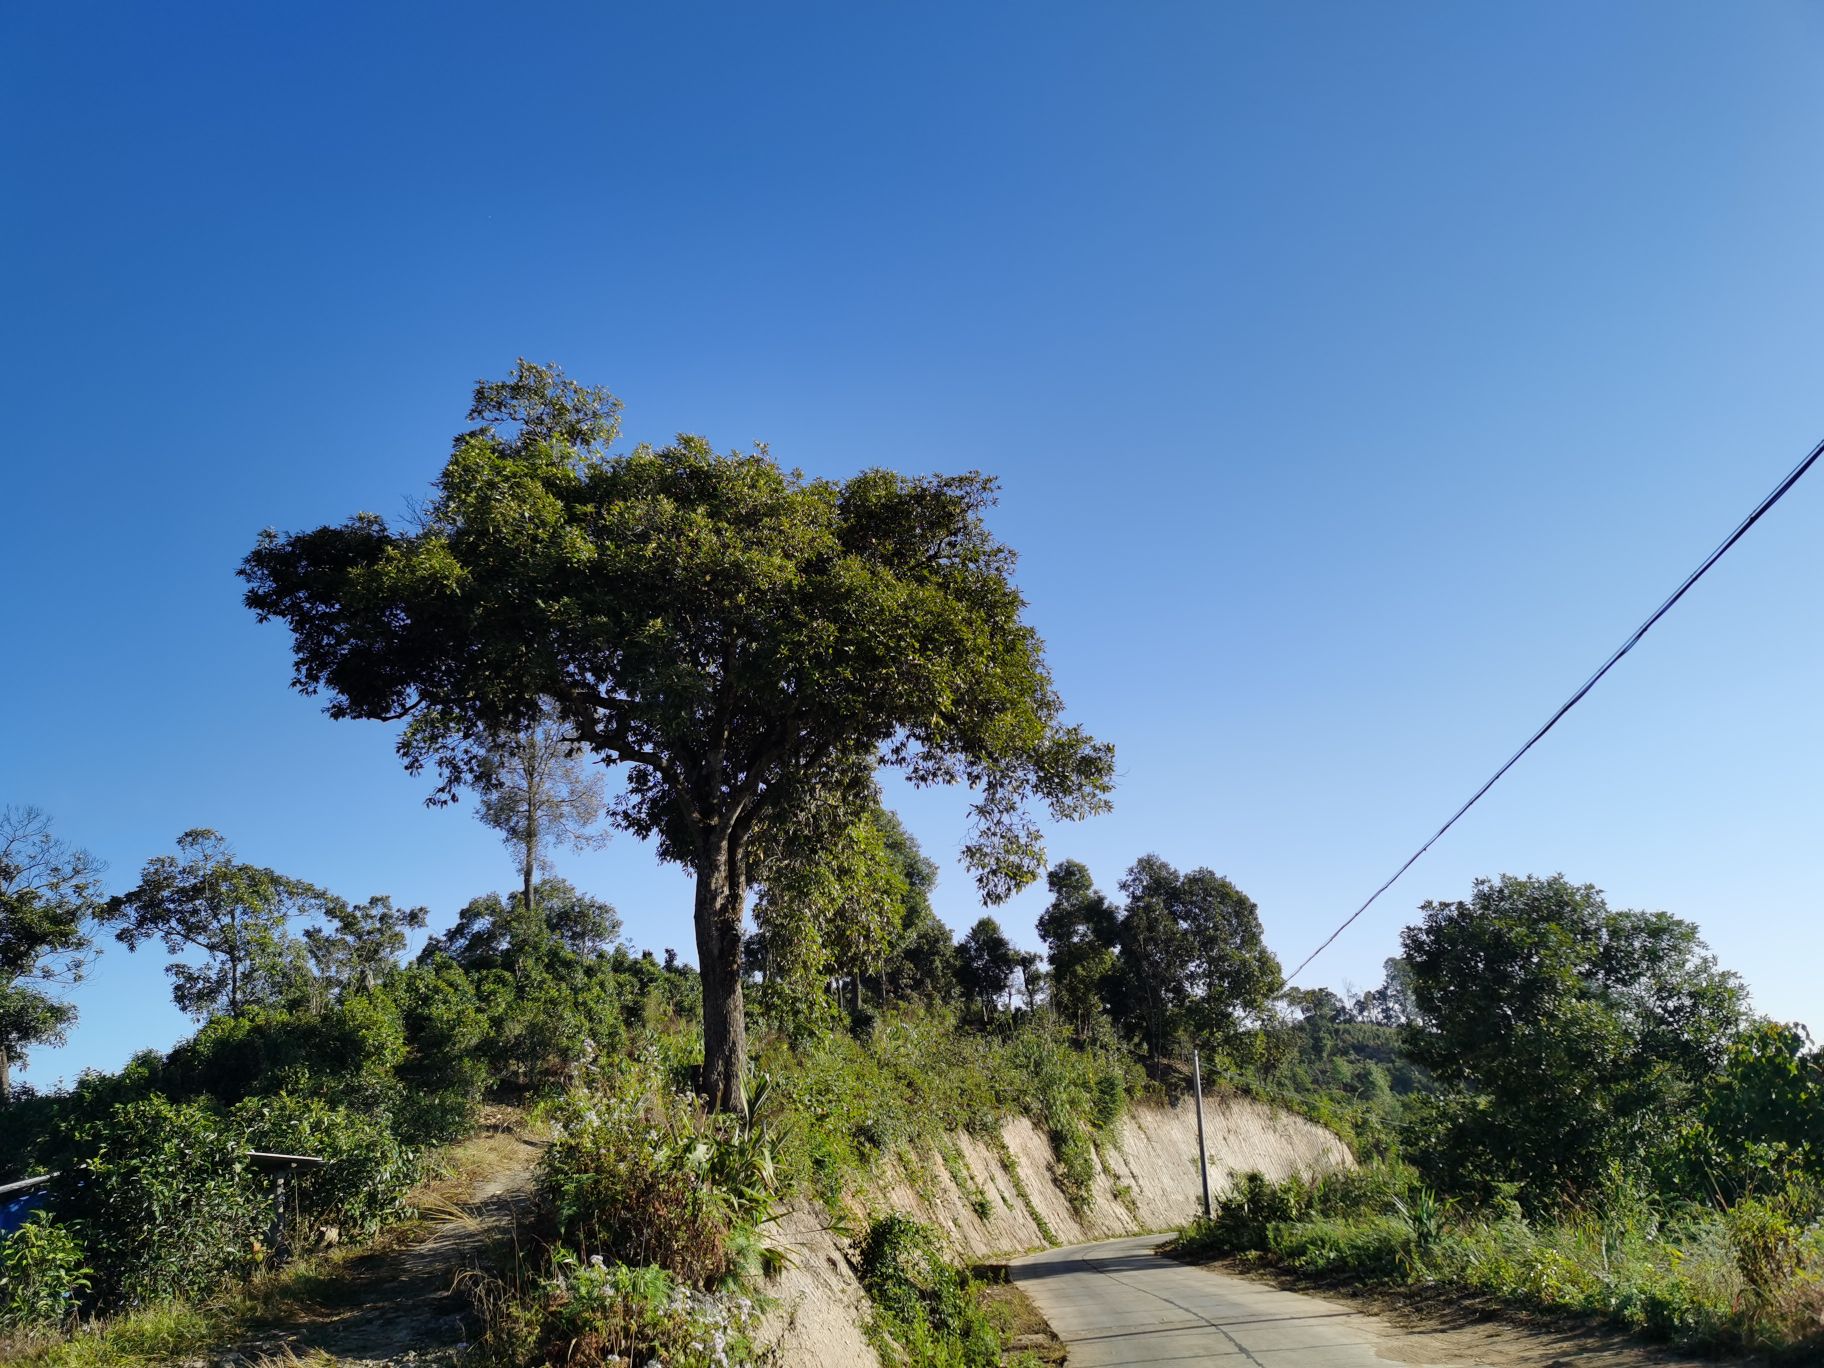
1119, 1303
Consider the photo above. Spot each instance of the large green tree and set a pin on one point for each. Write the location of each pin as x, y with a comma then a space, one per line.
1192, 961
237, 917
1569, 1035
1080, 927
50, 896
744, 642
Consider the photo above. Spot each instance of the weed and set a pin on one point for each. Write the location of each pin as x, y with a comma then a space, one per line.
927, 1313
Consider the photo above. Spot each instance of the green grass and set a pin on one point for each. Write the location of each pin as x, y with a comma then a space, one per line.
153, 1334
841, 1104
1747, 1280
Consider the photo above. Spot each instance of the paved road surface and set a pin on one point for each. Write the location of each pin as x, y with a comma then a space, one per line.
1119, 1303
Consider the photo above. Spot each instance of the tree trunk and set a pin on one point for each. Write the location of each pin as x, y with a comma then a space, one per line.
721, 893
6, 1076
533, 763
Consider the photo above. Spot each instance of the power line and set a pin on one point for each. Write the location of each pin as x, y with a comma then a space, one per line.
1760, 510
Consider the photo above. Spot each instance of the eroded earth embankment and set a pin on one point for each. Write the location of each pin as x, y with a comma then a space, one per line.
1146, 1180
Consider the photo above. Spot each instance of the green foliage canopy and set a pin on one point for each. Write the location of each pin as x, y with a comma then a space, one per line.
1192, 964
237, 916
744, 641
985, 963
1079, 927
1571, 1035
50, 895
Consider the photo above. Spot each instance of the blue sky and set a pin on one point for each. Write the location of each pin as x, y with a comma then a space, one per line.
1359, 377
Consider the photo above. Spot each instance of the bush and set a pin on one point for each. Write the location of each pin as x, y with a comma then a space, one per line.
442, 1075
41, 1273
638, 1174
1373, 1249
1240, 1219
596, 1312
927, 1314
349, 1050
366, 1172
1739, 1279
162, 1200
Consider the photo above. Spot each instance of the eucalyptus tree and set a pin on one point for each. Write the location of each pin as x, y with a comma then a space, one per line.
539, 788
50, 897
743, 642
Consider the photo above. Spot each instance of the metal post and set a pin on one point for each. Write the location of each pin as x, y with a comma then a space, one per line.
275, 1234
1203, 1157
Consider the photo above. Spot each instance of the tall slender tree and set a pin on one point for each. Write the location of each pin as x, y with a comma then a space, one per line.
746, 642
539, 788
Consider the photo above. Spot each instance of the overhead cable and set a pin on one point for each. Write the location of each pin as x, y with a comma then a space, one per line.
1760, 510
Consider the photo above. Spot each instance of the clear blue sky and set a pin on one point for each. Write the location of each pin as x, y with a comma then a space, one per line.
1359, 376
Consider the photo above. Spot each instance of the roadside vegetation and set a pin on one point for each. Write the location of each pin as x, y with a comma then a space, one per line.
1610, 1131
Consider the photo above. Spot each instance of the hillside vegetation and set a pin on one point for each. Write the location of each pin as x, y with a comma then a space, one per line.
656, 1220
1562, 1104
1568, 1104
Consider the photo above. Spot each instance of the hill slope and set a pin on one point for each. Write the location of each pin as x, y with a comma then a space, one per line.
995, 1199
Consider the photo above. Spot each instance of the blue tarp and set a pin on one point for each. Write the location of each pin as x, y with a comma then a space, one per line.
14, 1210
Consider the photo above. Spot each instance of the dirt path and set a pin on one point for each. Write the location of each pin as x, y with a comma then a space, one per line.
399, 1304
1117, 1302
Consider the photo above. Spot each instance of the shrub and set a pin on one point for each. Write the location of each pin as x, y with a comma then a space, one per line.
349, 1050
638, 1174
41, 1273
441, 1074
602, 1313
582, 1313
1371, 1248
365, 1174
1240, 1218
162, 1200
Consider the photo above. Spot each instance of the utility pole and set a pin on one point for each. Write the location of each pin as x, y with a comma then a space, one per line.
1203, 1157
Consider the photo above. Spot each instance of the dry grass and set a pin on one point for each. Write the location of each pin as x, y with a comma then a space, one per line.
1027, 1335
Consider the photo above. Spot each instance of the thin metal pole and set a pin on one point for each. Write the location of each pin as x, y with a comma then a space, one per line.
1203, 1156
